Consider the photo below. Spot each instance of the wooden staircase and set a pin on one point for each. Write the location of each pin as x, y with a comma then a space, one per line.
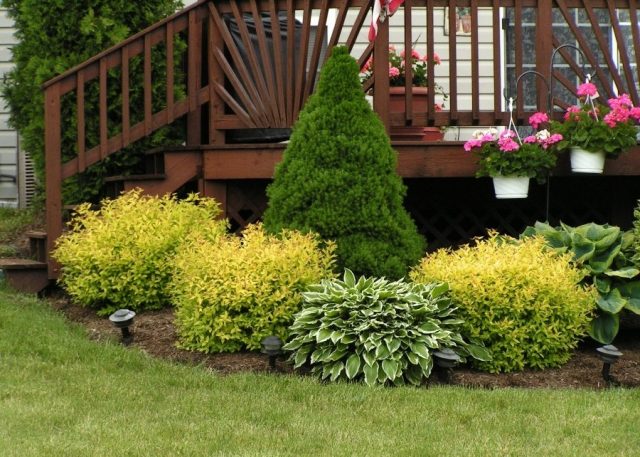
29, 274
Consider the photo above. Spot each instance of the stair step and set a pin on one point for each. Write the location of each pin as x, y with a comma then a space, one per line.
36, 234
21, 264
25, 275
146, 177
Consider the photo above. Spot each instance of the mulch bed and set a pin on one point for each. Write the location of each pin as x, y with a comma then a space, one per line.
154, 333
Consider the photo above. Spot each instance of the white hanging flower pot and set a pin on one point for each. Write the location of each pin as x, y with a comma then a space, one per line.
511, 186
586, 162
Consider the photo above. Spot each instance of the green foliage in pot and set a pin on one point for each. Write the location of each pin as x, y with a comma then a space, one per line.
603, 252
121, 255
54, 36
231, 292
376, 330
521, 300
338, 178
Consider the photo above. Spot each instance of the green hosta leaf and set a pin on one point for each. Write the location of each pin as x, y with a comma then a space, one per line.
583, 249
604, 328
347, 339
336, 369
382, 352
323, 335
412, 358
320, 354
612, 302
429, 327
439, 289
371, 374
390, 368
393, 344
601, 261
336, 336
420, 349
479, 352
349, 278
603, 285
369, 357
300, 359
352, 366
413, 373
627, 272
427, 366
337, 354
631, 291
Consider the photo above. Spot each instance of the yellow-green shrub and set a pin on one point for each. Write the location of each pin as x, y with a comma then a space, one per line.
232, 292
517, 297
121, 255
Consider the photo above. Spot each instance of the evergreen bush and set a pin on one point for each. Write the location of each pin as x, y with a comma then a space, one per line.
52, 37
121, 256
232, 292
338, 178
522, 300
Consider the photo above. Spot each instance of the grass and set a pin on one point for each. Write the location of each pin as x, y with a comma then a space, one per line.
63, 395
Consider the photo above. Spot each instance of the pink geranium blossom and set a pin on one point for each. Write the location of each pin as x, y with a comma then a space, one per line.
587, 89
537, 119
506, 142
621, 102
393, 72
572, 112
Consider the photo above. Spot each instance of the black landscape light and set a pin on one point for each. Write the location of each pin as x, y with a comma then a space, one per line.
122, 319
609, 355
446, 359
271, 346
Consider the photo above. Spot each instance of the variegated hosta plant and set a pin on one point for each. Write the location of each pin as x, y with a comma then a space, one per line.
376, 330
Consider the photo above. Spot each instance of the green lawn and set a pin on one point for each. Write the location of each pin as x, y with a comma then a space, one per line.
63, 395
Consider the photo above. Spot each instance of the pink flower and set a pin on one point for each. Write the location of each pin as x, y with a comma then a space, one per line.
635, 113
587, 89
506, 142
472, 143
392, 48
617, 116
415, 54
393, 72
537, 119
367, 65
437, 107
621, 102
555, 138
571, 112
531, 139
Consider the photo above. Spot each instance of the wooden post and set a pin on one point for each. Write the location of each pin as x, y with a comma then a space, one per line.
53, 171
194, 79
544, 48
381, 74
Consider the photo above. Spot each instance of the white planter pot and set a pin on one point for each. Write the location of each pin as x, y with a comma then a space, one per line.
586, 162
511, 186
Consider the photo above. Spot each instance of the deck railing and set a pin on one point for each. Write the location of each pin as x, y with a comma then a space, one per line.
238, 76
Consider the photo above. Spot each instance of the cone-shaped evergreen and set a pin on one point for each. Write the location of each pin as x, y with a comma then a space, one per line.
338, 178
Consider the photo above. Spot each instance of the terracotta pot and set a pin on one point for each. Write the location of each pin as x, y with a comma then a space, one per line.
466, 24
420, 99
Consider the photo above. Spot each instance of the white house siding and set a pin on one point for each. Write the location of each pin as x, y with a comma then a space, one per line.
8, 137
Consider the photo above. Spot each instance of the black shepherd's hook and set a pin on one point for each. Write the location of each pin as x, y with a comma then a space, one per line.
529, 72
552, 63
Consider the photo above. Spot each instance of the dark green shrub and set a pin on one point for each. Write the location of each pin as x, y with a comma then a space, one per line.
604, 253
232, 292
338, 178
375, 330
53, 36
522, 300
121, 256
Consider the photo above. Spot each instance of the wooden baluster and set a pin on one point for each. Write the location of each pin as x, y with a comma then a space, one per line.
82, 157
381, 74
497, 67
104, 134
519, 58
291, 88
453, 65
170, 75
430, 65
278, 64
317, 47
194, 65
148, 85
301, 71
126, 121
624, 57
475, 59
408, 84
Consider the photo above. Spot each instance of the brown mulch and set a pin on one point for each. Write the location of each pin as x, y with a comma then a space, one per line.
154, 333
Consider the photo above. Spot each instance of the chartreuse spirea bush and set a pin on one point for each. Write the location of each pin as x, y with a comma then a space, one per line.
604, 253
232, 292
376, 330
121, 255
522, 300
338, 178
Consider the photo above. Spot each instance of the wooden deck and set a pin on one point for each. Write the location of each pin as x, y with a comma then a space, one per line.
231, 82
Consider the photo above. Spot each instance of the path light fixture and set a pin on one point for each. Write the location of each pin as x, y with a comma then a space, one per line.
609, 355
122, 319
446, 359
272, 346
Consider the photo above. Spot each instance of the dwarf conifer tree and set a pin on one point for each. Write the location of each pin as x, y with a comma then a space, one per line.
338, 178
